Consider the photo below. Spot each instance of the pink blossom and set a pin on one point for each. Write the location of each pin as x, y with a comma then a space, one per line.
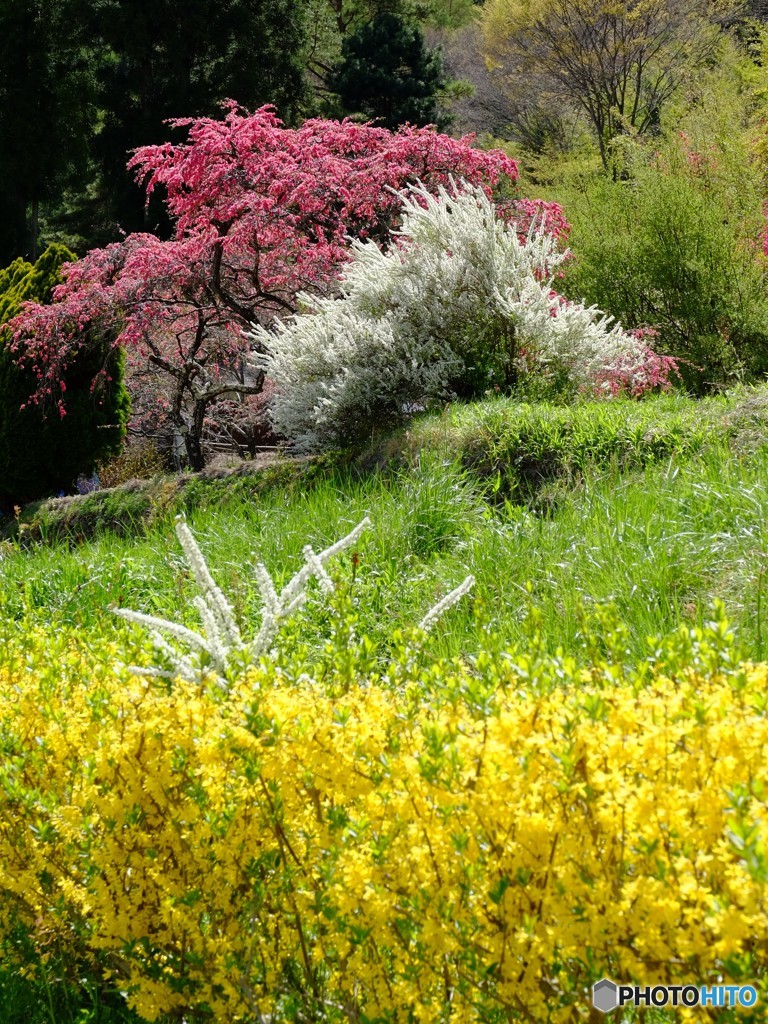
636, 377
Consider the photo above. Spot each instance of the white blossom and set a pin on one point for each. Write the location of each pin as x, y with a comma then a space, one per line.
447, 602
215, 651
222, 642
413, 321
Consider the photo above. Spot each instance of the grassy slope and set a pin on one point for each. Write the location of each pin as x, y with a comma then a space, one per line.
657, 507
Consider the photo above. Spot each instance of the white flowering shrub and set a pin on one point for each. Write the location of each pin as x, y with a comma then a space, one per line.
221, 649
460, 305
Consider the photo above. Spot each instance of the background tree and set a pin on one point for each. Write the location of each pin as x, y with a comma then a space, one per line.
47, 111
170, 58
331, 22
619, 61
390, 75
529, 109
685, 229
347, 16
40, 451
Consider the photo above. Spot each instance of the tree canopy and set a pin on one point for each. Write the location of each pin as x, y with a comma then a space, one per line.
619, 61
83, 84
174, 58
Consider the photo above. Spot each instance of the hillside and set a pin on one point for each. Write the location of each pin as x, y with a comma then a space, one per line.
608, 541
653, 507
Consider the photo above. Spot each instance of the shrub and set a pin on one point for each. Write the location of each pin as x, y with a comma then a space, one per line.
461, 306
140, 459
521, 448
41, 451
676, 247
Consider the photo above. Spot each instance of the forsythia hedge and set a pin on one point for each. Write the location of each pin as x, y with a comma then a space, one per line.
478, 840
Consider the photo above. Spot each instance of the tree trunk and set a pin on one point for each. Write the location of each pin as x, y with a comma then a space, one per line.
193, 437
194, 452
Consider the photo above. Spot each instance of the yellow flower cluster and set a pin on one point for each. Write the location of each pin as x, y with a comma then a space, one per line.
461, 844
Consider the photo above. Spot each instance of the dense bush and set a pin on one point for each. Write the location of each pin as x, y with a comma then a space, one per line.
675, 246
41, 451
522, 448
461, 306
323, 839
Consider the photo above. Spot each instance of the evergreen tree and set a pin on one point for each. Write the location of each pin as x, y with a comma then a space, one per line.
179, 58
42, 452
47, 112
388, 73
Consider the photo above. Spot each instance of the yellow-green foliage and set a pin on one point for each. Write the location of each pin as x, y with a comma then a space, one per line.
471, 841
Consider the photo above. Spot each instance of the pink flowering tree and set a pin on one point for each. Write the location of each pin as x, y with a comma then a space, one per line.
261, 214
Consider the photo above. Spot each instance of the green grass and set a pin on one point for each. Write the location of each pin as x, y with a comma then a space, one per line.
653, 510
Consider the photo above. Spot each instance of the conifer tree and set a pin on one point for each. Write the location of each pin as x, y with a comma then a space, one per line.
42, 451
389, 74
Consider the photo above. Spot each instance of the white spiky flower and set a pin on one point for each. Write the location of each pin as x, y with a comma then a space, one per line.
445, 603
222, 641
413, 321
214, 652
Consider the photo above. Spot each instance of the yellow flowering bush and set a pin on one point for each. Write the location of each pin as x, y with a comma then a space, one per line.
478, 840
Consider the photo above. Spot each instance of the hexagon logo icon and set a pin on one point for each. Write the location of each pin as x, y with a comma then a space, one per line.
605, 995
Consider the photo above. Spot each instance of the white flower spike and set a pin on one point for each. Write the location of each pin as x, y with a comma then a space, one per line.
222, 641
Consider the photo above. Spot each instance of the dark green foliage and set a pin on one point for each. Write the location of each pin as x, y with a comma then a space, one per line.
83, 83
42, 452
389, 74
54, 990
182, 58
47, 111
